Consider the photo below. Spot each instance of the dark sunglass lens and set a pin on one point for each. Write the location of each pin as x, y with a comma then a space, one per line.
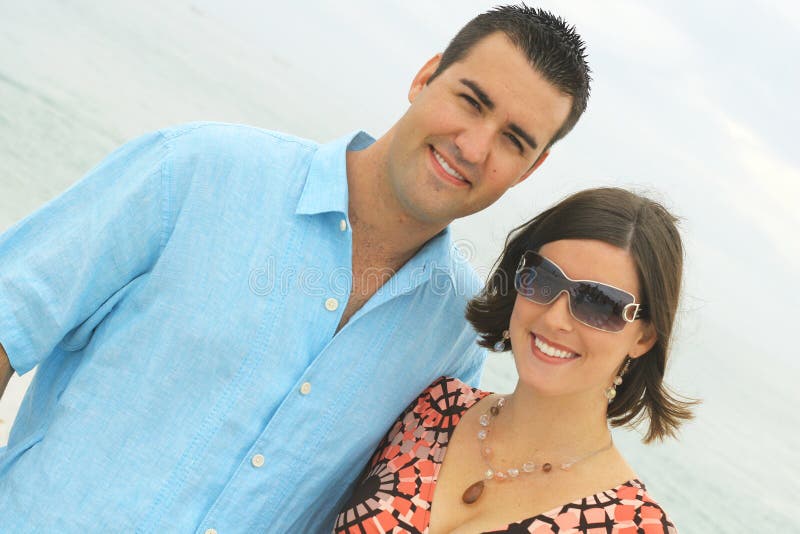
599, 305
525, 280
525, 277
538, 280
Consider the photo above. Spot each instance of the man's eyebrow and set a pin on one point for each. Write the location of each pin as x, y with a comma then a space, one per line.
523, 134
480, 93
486, 101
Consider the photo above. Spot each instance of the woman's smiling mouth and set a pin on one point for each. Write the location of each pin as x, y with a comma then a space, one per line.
550, 352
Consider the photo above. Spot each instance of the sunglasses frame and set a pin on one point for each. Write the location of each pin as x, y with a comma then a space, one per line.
630, 312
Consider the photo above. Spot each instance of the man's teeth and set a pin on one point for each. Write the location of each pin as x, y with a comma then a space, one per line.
552, 351
450, 170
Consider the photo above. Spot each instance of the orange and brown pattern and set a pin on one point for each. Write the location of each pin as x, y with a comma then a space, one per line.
395, 491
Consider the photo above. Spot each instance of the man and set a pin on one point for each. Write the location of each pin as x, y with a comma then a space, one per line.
225, 320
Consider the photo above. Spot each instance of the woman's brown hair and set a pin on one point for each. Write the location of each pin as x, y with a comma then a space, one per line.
648, 232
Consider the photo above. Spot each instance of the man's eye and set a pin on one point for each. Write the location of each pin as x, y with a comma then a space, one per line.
516, 141
472, 102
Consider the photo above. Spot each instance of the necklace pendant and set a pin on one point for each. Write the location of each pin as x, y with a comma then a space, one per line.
473, 493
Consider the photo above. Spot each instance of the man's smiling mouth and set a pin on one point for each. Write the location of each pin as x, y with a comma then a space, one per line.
448, 169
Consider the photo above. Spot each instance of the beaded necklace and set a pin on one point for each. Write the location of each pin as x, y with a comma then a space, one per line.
474, 491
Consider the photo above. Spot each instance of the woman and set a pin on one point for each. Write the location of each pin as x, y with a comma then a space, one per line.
585, 296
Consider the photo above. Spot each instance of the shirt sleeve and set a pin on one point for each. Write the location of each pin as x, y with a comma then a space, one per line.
60, 264
470, 373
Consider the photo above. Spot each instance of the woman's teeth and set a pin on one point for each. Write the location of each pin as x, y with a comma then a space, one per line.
552, 351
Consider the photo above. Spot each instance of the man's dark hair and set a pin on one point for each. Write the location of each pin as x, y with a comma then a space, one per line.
648, 232
552, 47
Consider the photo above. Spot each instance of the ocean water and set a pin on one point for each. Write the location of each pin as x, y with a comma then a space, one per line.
79, 78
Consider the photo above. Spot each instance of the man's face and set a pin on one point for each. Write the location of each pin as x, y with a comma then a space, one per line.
476, 130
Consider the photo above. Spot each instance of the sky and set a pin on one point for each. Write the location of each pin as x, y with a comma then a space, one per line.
692, 103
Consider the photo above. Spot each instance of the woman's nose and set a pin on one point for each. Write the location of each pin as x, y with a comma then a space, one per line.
557, 315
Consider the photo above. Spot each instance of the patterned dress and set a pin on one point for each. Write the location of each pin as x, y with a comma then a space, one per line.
395, 492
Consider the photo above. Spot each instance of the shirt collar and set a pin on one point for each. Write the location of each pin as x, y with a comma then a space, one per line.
325, 189
433, 266
437, 257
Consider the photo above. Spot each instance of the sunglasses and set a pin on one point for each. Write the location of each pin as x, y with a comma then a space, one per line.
594, 304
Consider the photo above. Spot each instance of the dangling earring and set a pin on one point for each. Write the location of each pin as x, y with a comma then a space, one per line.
500, 346
611, 391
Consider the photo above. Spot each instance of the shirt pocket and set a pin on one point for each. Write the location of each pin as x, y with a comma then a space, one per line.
9, 455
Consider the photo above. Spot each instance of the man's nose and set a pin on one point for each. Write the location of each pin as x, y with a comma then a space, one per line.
475, 143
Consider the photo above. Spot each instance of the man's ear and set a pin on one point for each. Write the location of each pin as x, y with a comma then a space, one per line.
647, 338
422, 77
535, 166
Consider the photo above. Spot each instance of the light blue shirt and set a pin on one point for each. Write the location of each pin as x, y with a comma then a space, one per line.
181, 303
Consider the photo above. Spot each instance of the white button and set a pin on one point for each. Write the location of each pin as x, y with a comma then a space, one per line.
342, 225
257, 460
305, 389
331, 304
211, 531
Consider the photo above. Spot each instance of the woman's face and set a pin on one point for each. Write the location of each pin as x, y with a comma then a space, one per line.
592, 357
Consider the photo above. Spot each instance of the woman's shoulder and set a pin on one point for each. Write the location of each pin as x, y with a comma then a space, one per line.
450, 395
633, 507
625, 508
439, 406
430, 418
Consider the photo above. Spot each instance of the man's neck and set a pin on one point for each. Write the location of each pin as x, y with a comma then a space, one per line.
382, 230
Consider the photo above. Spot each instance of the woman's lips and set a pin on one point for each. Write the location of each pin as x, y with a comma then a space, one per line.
553, 360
